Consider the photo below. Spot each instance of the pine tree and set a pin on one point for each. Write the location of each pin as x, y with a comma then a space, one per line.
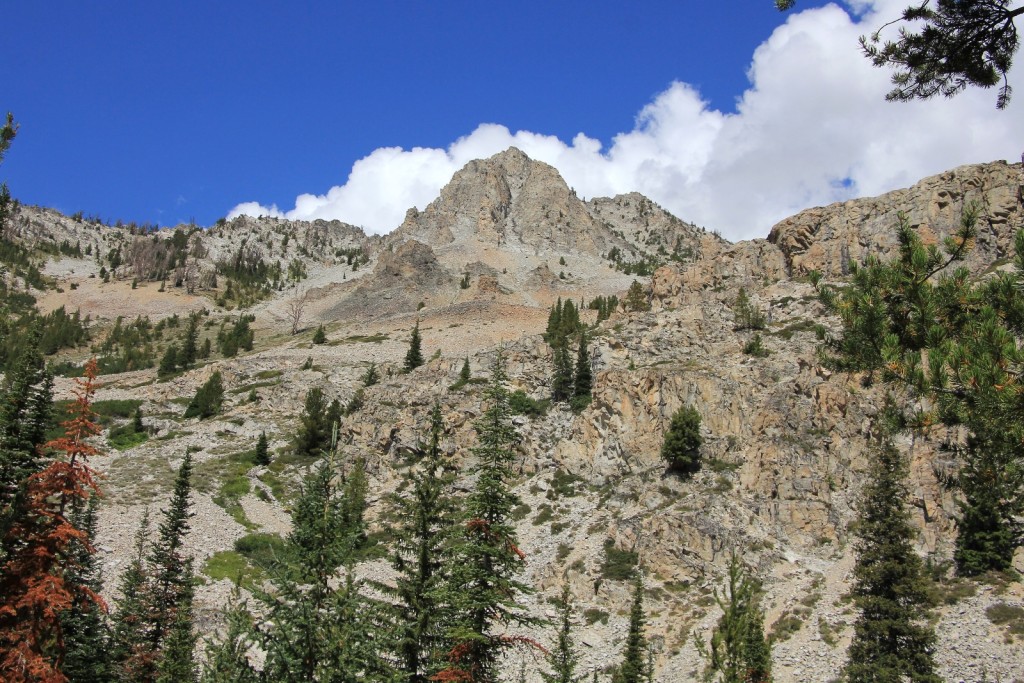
738, 650
424, 526
562, 658
681, 447
372, 376
177, 661
414, 357
747, 317
151, 634
487, 557
314, 435
227, 660
25, 405
554, 322
891, 640
262, 455
208, 399
634, 667
189, 343
318, 631
583, 382
941, 335
87, 636
561, 381
36, 587
320, 336
168, 362
464, 373
129, 649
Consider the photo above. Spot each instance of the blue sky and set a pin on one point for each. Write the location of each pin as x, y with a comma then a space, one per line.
162, 112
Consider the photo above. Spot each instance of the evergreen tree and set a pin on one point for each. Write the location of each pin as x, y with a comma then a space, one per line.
208, 399
562, 658
177, 661
262, 456
424, 526
227, 660
464, 373
583, 382
129, 650
87, 636
634, 667
320, 336
738, 650
189, 343
747, 317
314, 435
153, 622
892, 640
168, 362
940, 335
681, 447
372, 376
561, 382
554, 322
636, 298
487, 557
38, 584
319, 632
414, 357
25, 405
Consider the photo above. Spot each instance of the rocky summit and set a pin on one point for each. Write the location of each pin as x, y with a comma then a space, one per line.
784, 440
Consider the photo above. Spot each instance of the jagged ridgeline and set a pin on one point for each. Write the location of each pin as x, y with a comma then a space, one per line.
662, 477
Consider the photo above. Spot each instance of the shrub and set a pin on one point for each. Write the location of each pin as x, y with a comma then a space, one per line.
618, 565
521, 404
755, 347
681, 448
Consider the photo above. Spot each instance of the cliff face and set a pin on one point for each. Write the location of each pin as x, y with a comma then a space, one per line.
827, 238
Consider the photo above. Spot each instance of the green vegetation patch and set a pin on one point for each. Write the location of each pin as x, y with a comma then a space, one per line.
361, 339
618, 565
1011, 617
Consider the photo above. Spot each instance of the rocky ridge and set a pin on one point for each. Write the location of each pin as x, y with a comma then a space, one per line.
784, 438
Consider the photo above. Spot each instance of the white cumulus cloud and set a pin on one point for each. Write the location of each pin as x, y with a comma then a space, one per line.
811, 129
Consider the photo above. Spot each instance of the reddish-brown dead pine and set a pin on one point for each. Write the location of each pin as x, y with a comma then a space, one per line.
33, 590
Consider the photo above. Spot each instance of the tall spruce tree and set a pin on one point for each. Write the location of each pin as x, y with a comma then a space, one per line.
414, 356
25, 405
424, 525
319, 631
208, 399
150, 635
190, 343
227, 658
129, 647
562, 658
36, 588
314, 435
561, 381
738, 651
583, 382
635, 653
892, 640
487, 557
87, 634
941, 335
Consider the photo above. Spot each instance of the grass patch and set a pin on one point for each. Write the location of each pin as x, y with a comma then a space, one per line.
785, 626
123, 440
520, 511
1011, 617
251, 387
544, 515
263, 551
361, 339
269, 374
